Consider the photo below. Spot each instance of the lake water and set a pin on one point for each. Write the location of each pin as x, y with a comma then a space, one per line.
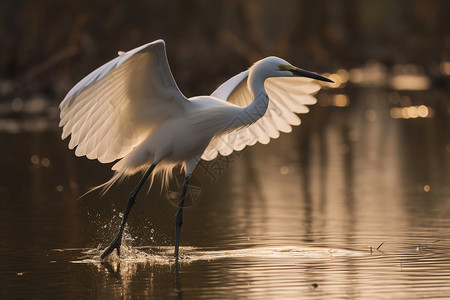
354, 203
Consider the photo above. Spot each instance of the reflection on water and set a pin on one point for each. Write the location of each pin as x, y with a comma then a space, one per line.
164, 254
355, 203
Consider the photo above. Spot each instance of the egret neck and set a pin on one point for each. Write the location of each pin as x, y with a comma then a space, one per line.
258, 107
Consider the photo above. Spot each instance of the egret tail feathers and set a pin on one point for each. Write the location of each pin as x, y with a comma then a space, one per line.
104, 187
163, 170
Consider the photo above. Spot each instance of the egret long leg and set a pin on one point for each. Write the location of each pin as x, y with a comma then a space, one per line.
117, 241
179, 216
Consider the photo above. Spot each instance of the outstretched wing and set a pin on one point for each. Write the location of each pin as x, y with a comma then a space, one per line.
288, 96
115, 107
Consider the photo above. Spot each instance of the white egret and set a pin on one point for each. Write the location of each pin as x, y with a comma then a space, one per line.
131, 110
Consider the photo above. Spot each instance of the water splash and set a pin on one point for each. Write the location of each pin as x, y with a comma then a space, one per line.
164, 254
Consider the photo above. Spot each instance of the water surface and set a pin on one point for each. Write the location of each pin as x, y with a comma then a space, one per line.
354, 203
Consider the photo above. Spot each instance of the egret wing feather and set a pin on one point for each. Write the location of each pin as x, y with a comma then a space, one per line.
223, 91
111, 110
288, 97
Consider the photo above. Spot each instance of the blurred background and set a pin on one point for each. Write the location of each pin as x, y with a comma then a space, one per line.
367, 170
47, 46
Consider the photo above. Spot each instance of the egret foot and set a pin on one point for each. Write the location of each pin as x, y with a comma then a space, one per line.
115, 244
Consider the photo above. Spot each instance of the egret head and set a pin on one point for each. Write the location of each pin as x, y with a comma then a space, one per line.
276, 67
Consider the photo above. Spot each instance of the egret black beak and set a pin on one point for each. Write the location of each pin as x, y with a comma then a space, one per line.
303, 73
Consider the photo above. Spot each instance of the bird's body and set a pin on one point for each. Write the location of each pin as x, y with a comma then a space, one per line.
185, 137
131, 110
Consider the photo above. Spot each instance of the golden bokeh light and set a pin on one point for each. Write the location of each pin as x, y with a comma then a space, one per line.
45, 162
284, 170
409, 77
340, 100
411, 112
410, 82
344, 75
337, 80
445, 68
372, 74
34, 159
